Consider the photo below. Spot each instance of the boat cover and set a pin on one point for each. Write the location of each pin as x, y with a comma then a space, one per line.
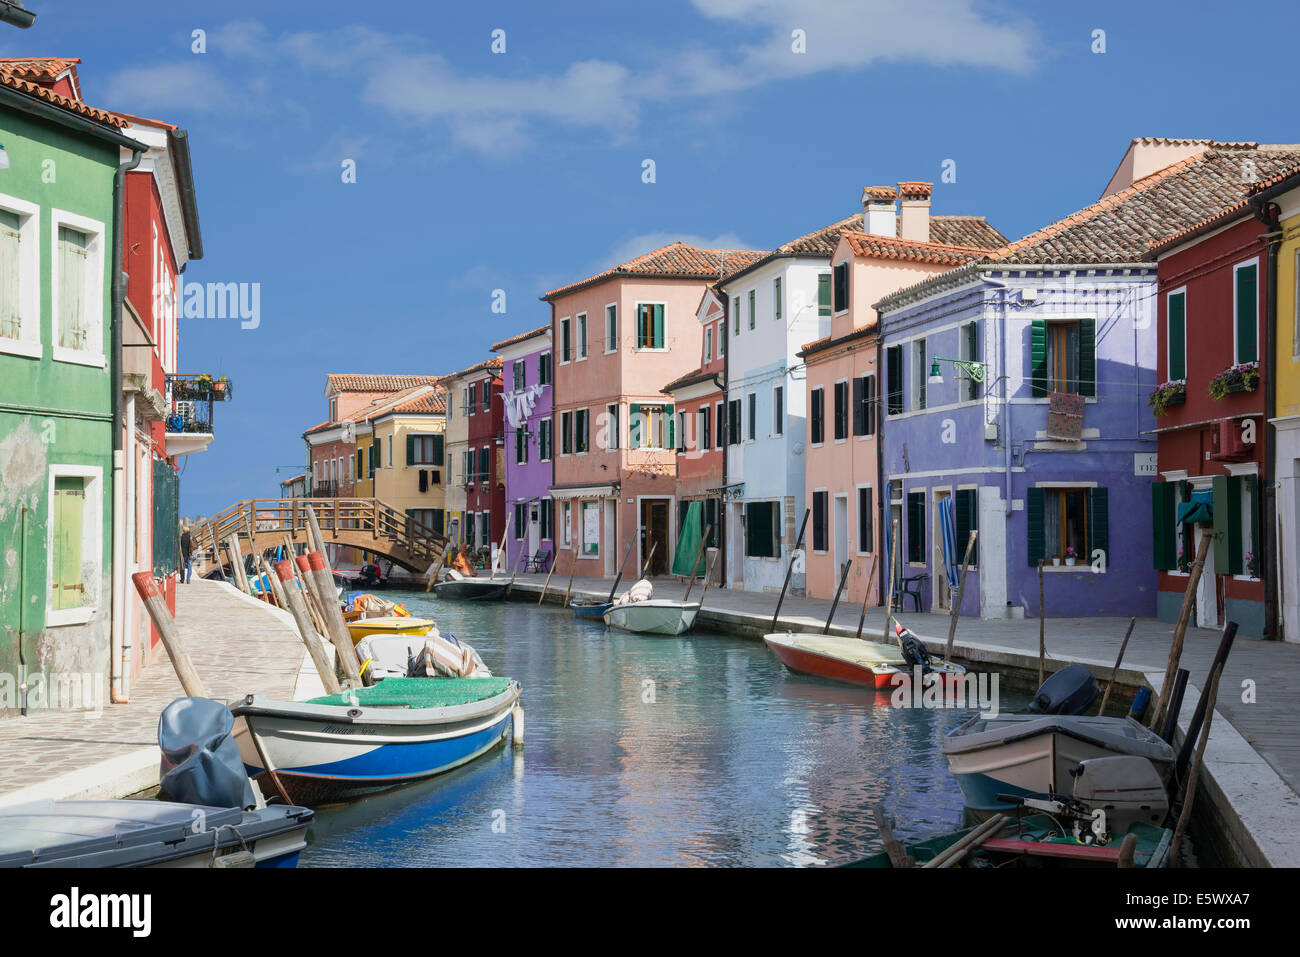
1122, 735
419, 693
641, 591
200, 760
421, 656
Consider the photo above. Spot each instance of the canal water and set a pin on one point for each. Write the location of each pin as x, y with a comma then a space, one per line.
644, 751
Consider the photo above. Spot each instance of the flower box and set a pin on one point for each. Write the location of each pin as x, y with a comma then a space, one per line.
1238, 378
1167, 394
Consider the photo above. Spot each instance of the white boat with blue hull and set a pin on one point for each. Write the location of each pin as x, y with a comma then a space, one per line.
346, 745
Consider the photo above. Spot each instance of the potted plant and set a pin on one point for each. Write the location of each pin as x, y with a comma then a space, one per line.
1239, 378
1070, 555
1173, 392
1252, 564
1183, 564
220, 384
1056, 559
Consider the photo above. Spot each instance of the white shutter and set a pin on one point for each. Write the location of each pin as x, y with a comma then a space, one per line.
72, 286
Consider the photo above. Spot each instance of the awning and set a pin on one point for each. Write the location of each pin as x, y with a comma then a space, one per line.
584, 491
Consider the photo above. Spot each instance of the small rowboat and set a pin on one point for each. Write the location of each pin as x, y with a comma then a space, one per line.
655, 616
365, 627
345, 745
1038, 836
871, 664
590, 608
472, 589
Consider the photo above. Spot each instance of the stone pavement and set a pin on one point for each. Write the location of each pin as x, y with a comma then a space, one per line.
238, 646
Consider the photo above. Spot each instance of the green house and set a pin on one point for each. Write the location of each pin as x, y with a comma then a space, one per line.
59, 237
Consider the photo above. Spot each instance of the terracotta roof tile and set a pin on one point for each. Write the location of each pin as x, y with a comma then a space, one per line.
44, 69
505, 343
944, 230
493, 363
72, 106
690, 378
879, 194
915, 189
1226, 215
379, 382
674, 261
910, 250
826, 342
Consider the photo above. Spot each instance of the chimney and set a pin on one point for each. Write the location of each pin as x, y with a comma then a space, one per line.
878, 216
914, 217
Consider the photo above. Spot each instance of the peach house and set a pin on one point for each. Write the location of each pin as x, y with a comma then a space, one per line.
894, 249
617, 338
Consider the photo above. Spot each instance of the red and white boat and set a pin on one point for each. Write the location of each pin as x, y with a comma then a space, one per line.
872, 664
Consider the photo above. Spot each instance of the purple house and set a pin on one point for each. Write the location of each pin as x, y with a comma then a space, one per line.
528, 392
1015, 398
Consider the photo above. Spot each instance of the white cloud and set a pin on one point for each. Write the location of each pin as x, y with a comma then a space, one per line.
174, 86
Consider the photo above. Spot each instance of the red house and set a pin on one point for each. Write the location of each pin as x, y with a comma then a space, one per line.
485, 473
1210, 420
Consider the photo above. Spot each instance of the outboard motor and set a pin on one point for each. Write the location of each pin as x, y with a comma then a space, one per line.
1126, 787
200, 759
1072, 690
914, 652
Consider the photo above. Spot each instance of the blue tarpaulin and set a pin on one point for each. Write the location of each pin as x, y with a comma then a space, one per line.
1199, 508
948, 529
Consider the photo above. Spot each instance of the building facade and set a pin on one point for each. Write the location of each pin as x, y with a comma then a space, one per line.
482, 471
527, 395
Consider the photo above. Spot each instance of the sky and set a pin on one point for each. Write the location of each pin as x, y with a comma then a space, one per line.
521, 168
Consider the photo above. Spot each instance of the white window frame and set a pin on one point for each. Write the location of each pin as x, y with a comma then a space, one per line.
778, 423
636, 310
608, 307
92, 545
30, 340
750, 434
811, 441
721, 338
567, 540
708, 343
1182, 291
564, 325
778, 299
550, 421
857, 514
580, 337
93, 291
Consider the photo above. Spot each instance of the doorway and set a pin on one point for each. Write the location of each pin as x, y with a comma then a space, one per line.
736, 564
654, 529
841, 532
534, 529
942, 592
1210, 589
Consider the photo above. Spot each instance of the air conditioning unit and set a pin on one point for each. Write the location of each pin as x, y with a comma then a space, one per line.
1226, 444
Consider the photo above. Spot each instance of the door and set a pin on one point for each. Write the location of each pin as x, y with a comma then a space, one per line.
654, 529
841, 533
1209, 590
534, 529
736, 560
942, 592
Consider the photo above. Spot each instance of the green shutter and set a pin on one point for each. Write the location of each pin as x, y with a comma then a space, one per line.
1098, 525
641, 336
438, 520
658, 327
1163, 531
1087, 357
1227, 524
372, 455
1035, 499
437, 448
68, 510
166, 518
1247, 315
410, 450
824, 294
1177, 336
1252, 489
966, 520
1038, 359
671, 425
634, 425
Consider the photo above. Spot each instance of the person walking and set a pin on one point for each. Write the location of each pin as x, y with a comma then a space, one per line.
187, 566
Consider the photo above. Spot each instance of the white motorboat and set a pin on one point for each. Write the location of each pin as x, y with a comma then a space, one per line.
654, 616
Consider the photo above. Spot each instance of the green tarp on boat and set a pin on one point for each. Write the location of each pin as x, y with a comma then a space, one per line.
688, 540
419, 692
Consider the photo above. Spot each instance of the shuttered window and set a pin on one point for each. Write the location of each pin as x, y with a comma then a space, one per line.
580, 430
612, 427
1067, 523
752, 402
916, 527
544, 369
864, 405
519, 368
1246, 313
965, 521
841, 286
611, 328
635, 436
484, 464
67, 517
920, 375
564, 341
761, 534
820, 518
10, 261
778, 410
841, 411
824, 294
866, 522
721, 426
72, 288
1063, 357
776, 299
546, 520
817, 415
521, 520
1227, 524
544, 442
752, 298
650, 326
733, 422
706, 427
894, 375
970, 347
1164, 532
582, 336
566, 433
521, 446
1176, 334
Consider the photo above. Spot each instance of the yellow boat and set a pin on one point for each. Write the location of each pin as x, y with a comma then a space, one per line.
388, 626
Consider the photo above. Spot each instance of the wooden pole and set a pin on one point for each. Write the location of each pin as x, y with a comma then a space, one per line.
844, 577
518, 558
310, 599
1180, 629
708, 577
297, 607
898, 856
438, 571
1114, 672
1189, 793
961, 590
338, 629
1127, 848
951, 855
696, 567
654, 546
789, 568
573, 567
273, 580
549, 572
889, 594
871, 574
617, 578
237, 563
1042, 627
171, 637
500, 548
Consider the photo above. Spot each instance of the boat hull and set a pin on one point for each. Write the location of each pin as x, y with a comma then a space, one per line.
869, 664
330, 753
1034, 755
365, 627
653, 617
590, 609
472, 589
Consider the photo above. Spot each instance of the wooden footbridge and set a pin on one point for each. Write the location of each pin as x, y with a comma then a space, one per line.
365, 523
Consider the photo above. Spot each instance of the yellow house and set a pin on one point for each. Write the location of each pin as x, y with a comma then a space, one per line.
1285, 196
411, 459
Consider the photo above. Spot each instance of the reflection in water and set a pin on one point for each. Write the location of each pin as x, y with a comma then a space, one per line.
643, 751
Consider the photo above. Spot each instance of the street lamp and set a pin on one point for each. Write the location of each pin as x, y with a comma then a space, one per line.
14, 13
973, 369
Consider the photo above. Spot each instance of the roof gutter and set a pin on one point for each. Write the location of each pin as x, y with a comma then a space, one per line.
56, 114
180, 140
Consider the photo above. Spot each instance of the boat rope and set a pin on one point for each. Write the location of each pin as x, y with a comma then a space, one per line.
216, 842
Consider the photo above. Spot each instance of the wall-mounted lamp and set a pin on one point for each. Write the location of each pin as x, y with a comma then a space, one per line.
975, 370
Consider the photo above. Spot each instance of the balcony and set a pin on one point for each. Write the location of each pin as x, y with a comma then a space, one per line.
188, 422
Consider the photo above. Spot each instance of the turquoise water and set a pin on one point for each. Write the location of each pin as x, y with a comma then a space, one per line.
642, 751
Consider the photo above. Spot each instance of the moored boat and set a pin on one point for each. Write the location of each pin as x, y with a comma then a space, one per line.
472, 589
135, 833
654, 616
872, 664
365, 627
337, 747
590, 608
1019, 754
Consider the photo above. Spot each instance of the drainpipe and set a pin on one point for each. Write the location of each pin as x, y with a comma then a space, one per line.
722, 496
118, 599
1268, 213
884, 507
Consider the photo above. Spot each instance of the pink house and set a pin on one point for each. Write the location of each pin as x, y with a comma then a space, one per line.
618, 337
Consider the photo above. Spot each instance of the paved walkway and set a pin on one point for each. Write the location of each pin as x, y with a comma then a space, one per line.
238, 646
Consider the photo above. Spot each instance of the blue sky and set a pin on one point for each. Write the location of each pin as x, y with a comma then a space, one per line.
522, 170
